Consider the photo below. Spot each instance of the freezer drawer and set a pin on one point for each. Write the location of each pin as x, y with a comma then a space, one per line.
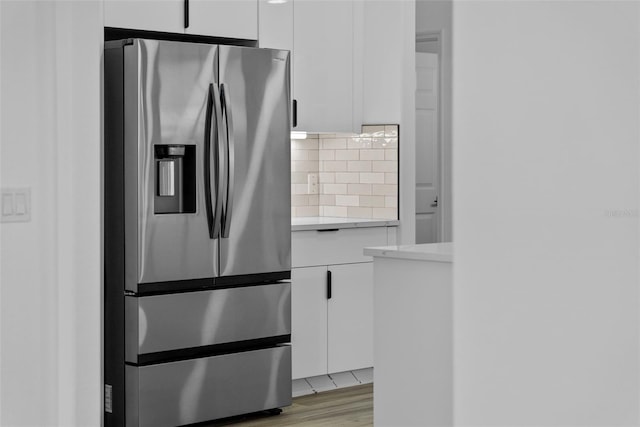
191, 391
194, 319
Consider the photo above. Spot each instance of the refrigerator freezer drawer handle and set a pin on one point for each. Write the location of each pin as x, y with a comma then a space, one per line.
228, 211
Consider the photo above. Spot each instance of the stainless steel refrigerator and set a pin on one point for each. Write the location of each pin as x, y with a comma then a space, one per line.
197, 313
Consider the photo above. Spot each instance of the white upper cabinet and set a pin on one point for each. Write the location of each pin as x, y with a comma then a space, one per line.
323, 36
218, 18
323, 64
150, 15
275, 28
236, 19
384, 60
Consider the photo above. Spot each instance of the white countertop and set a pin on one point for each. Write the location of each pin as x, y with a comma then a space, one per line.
327, 222
441, 252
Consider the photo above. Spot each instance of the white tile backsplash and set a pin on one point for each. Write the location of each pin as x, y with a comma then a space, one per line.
372, 178
357, 174
347, 177
372, 154
347, 154
347, 200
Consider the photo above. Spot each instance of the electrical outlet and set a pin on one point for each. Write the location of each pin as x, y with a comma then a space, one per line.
16, 205
312, 183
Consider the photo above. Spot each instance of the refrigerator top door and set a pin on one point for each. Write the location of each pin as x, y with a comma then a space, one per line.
167, 105
256, 219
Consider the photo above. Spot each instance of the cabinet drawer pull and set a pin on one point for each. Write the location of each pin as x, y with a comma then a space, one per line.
295, 113
327, 230
328, 284
186, 13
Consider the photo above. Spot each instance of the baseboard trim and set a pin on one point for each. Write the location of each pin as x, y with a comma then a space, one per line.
334, 381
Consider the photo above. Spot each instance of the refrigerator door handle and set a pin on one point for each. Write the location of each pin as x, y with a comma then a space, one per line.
207, 162
217, 212
213, 107
226, 215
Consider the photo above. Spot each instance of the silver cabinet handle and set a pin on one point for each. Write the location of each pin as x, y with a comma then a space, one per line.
228, 211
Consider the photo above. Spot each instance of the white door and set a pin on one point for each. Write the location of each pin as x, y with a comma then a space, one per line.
427, 85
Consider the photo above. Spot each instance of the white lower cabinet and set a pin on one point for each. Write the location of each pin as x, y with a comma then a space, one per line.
350, 317
333, 334
308, 321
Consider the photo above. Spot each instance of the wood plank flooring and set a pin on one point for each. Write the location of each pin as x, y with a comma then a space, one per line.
351, 406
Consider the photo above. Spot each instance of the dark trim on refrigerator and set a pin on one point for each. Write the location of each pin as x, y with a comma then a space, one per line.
257, 279
175, 286
194, 285
114, 258
111, 33
117, 44
210, 350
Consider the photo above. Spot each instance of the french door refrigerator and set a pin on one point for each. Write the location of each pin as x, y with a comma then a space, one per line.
197, 313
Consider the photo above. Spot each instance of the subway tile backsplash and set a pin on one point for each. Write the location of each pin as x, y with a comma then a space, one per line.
356, 175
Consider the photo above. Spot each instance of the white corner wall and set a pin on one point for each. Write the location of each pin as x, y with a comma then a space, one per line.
546, 134
50, 267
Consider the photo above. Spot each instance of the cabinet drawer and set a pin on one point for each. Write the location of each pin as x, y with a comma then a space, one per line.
185, 320
342, 246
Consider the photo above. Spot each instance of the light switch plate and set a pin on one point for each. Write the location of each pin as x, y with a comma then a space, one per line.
16, 205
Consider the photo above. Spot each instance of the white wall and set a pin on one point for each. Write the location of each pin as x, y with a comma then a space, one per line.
50, 268
546, 134
435, 16
389, 57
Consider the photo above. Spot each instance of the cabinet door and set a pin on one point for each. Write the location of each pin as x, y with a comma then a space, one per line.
323, 65
275, 28
309, 321
152, 15
236, 19
350, 317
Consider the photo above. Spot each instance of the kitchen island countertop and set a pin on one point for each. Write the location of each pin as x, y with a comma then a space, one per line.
441, 252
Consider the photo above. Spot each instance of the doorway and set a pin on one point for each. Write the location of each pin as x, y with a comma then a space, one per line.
428, 165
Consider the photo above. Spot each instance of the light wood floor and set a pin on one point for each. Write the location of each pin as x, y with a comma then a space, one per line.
352, 406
